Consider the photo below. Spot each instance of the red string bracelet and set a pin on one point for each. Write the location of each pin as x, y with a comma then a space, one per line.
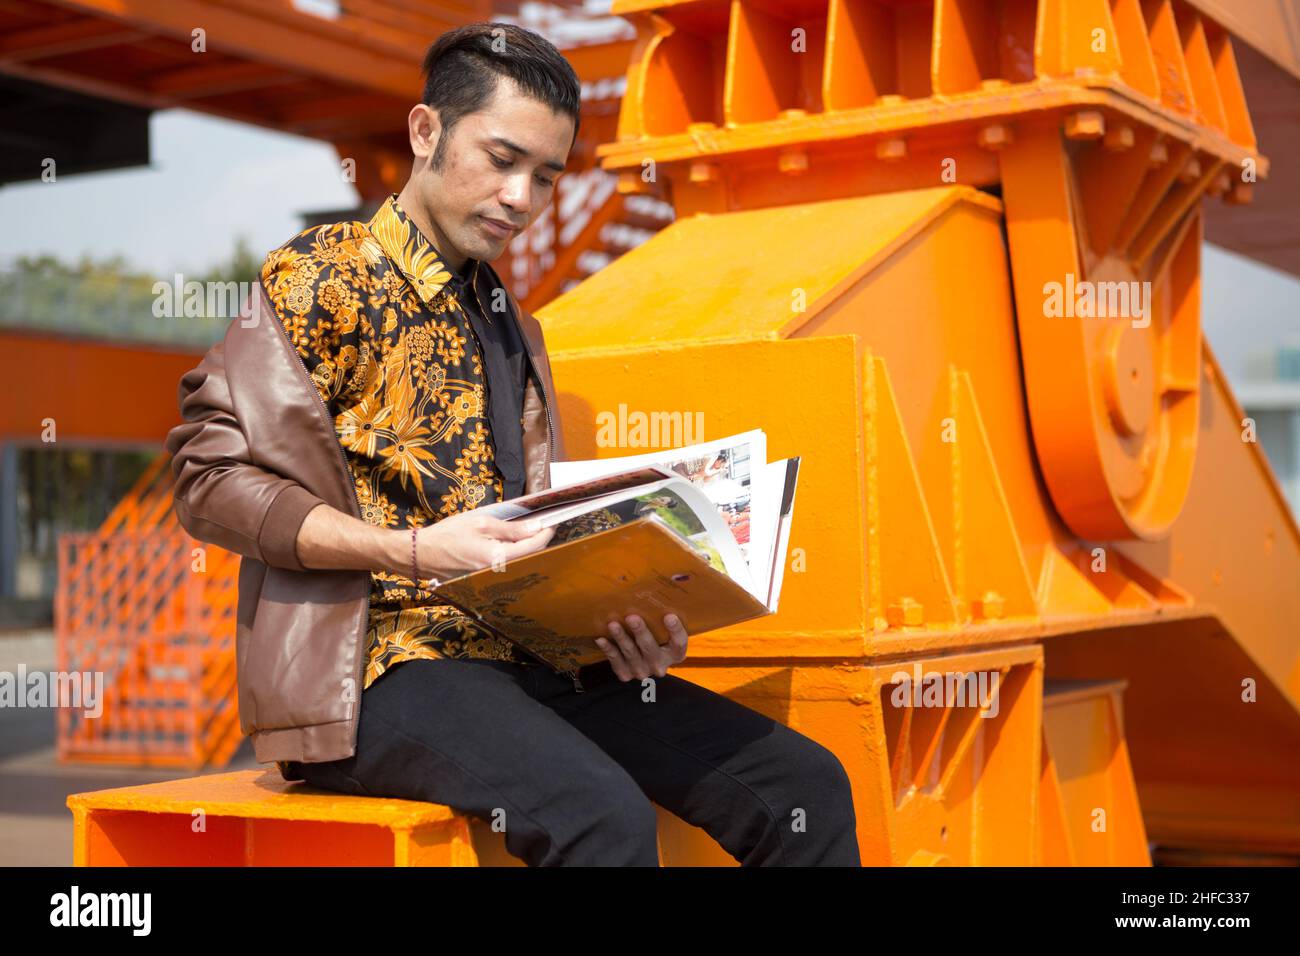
415, 567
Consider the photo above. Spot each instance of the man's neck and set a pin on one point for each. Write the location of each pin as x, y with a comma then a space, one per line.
415, 212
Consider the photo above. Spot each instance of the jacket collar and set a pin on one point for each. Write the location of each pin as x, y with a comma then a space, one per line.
418, 260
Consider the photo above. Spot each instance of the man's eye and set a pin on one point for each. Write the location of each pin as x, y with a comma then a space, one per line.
548, 183
498, 162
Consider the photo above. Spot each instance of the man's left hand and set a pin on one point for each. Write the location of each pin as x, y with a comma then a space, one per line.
638, 654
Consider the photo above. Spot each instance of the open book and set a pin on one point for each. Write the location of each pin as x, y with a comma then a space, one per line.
700, 531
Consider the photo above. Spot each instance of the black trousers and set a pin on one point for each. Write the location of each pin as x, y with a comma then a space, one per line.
572, 775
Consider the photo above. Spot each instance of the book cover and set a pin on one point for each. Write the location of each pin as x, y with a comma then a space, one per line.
555, 602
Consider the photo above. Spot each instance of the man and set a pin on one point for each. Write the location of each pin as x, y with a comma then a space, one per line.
341, 438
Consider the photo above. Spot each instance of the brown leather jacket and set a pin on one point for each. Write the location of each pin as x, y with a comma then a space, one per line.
255, 453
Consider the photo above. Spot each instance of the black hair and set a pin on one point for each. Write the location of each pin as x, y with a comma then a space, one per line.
463, 66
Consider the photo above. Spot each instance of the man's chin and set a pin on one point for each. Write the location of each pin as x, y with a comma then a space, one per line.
488, 250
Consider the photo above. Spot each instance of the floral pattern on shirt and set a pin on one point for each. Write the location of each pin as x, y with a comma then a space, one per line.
371, 311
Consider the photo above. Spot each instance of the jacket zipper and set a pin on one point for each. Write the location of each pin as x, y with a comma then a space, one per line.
546, 407
356, 500
550, 428
528, 351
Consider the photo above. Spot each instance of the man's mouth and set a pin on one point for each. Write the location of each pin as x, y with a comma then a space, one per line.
498, 228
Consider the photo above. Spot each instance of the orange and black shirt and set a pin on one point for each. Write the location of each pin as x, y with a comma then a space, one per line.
402, 353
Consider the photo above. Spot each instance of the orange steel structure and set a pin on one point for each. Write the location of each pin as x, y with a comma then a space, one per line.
948, 252
878, 205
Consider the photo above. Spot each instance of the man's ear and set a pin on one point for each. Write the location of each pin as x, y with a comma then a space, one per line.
424, 129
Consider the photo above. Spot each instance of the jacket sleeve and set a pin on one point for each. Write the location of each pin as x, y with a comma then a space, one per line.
219, 495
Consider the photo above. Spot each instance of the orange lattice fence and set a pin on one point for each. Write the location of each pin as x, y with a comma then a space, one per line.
146, 615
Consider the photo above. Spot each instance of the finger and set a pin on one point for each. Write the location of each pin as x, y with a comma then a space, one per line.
535, 541
677, 637
631, 654
649, 647
511, 530
510, 550
615, 658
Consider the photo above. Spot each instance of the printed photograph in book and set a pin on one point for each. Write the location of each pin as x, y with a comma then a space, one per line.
723, 469
664, 503
724, 477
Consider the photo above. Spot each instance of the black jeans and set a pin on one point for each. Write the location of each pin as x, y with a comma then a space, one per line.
574, 773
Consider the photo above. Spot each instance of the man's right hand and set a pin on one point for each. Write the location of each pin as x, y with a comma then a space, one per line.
469, 541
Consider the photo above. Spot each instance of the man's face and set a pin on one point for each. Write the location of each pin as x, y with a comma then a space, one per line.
497, 173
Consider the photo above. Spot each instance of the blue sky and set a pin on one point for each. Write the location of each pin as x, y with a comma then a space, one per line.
212, 181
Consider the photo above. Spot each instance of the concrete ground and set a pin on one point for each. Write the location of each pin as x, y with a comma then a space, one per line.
35, 823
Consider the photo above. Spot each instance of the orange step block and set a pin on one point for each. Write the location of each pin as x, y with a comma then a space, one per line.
256, 818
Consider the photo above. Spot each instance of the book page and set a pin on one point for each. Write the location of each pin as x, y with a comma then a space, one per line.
722, 469
764, 506
579, 489
674, 502
785, 514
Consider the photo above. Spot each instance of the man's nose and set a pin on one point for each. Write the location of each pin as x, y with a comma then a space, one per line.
516, 194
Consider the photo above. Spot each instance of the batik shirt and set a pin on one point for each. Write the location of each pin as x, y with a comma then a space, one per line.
376, 318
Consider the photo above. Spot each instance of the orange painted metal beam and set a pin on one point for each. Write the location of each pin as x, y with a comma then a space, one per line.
66, 379
599, 61
274, 33
357, 50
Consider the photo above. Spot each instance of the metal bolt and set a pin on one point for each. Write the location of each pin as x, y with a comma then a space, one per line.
905, 613
704, 172
991, 606
892, 149
994, 136
793, 161
1119, 138
1085, 124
